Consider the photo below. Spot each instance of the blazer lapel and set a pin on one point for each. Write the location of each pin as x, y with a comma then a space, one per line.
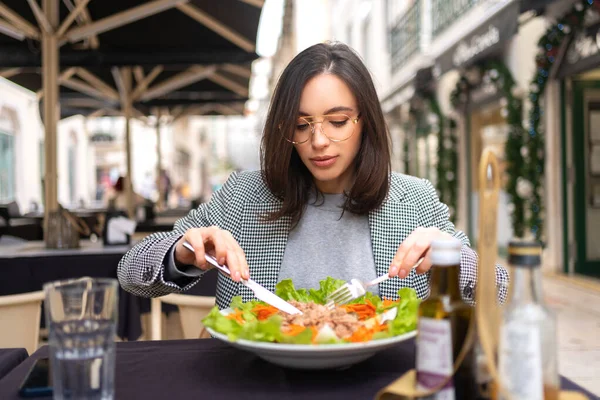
389, 226
264, 244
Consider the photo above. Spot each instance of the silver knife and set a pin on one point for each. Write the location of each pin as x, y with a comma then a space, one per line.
259, 291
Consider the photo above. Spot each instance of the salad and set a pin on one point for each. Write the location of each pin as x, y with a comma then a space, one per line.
365, 319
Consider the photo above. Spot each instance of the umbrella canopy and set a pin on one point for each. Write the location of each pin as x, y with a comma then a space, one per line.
133, 32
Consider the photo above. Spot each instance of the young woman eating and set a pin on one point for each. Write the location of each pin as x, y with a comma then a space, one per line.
325, 202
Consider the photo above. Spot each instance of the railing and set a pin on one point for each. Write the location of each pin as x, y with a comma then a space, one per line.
405, 35
445, 12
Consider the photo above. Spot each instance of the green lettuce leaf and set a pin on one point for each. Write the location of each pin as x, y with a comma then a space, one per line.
326, 287
304, 337
286, 290
268, 330
217, 321
406, 318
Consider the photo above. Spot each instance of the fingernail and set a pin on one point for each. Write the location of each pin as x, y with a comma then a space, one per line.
236, 275
246, 274
402, 274
222, 260
393, 270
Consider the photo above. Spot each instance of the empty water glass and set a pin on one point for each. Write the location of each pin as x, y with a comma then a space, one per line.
81, 315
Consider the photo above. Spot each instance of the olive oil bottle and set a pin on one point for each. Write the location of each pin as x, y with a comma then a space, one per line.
444, 320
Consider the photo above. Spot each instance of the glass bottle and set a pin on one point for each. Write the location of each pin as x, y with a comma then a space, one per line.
444, 320
527, 357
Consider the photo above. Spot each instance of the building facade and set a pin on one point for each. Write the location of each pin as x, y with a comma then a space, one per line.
455, 77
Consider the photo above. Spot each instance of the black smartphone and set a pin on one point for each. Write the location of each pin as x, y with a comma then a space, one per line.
37, 383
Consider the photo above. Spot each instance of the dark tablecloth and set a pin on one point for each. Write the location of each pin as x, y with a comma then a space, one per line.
9, 359
207, 368
28, 274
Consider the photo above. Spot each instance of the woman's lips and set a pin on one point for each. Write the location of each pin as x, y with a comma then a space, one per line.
323, 162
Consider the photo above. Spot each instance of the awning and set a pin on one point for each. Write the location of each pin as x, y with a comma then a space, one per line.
487, 40
582, 54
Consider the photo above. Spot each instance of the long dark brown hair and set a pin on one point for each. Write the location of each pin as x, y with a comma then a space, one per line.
284, 172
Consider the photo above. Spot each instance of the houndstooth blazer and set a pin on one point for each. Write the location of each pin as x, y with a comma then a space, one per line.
237, 207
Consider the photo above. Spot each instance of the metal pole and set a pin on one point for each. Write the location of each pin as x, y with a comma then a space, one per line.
50, 67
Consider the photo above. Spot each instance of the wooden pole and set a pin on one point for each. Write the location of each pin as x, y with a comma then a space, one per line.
128, 112
129, 180
50, 68
122, 77
158, 160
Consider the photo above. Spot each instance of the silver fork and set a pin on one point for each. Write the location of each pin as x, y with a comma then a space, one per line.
356, 288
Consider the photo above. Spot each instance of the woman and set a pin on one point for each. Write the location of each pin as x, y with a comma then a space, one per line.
323, 204
117, 198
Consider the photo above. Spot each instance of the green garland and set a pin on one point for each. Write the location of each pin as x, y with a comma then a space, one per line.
447, 165
548, 47
497, 74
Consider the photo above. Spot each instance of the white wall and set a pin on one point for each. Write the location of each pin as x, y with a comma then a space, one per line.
29, 134
73, 130
22, 105
520, 53
312, 22
352, 16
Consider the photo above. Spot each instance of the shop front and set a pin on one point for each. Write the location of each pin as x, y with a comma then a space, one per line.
489, 104
579, 77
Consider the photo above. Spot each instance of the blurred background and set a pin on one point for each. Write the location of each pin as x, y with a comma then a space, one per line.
454, 76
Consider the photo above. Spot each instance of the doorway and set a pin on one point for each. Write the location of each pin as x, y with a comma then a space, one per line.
586, 164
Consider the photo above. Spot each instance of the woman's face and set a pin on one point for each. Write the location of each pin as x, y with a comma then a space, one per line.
331, 163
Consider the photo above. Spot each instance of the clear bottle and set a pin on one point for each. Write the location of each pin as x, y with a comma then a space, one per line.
528, 364
444, 320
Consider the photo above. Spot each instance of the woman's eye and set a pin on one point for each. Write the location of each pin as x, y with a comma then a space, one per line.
338, 123
301, 127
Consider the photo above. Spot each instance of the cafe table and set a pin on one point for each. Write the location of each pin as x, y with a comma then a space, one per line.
211, 369
25, 267
10, 358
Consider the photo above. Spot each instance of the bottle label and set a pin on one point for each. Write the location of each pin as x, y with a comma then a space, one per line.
434, 357
520, 363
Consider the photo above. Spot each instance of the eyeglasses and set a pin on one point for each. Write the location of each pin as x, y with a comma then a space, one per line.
336, 127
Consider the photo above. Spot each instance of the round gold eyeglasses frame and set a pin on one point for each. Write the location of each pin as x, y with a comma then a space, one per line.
313, 128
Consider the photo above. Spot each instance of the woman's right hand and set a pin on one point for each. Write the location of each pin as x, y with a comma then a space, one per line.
217, 243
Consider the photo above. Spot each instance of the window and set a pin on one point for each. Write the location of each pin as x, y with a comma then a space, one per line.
7, 168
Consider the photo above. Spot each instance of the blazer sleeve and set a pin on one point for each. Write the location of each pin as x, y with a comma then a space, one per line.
141, 271
469, 258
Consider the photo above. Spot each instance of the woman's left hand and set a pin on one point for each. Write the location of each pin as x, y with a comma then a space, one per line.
415, 246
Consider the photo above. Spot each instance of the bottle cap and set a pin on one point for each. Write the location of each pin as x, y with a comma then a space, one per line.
525, 253
445, 252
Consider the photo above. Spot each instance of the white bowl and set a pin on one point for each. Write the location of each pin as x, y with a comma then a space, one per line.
313, 356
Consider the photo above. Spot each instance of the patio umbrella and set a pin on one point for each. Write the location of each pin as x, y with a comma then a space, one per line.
203, 38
